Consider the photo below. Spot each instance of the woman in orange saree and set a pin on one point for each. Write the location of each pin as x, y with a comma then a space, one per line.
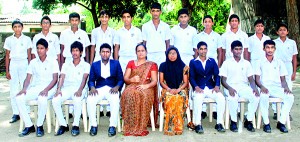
138, 97
173, 77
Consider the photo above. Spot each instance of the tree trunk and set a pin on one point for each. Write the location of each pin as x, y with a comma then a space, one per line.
293, 22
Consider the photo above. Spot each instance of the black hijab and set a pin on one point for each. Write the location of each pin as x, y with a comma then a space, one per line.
173, 71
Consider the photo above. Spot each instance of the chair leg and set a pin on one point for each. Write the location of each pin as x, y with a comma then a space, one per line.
278, 107
226, 115
188, 114
84, 116
288, 122
21, 125
152, 119
98, 114
119, 122
56, 125
258, 119
254, 122
35, 110
161, 118
67, 113
210, 111
48, 117
242, 111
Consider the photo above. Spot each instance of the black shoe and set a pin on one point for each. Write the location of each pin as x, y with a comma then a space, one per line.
275, 116
27, 131
40, 131
249, 125
215, 116
101, 114
111, 131
62, 130
75, 131
199, 129
267, 128
14, 118
203, 115
93, 131
233, 126
108, 114
282, 127
219, 128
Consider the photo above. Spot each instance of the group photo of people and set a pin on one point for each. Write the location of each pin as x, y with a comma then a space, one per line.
154, 76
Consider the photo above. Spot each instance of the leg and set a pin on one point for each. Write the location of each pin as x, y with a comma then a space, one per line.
232, 105
91, 108
264, 107
77, 102
198, 101
220, 99
56, 102
246, 92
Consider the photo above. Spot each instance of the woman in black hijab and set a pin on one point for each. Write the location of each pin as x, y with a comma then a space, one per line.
173, 78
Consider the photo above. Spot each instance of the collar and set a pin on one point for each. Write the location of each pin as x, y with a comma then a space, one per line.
39, 60
19, 37
287, 38
108, 63
198, 58
69, 29
178, 26
123, 28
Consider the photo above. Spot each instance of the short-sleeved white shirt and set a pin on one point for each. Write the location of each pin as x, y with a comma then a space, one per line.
99, 37
74, 74
213, 41
128, 40
237, 73
53, 44
105, 69
182, 39
17, 46
270, 72
256, 46
67, 37
42, 72
285, 50
156, 38
229, 36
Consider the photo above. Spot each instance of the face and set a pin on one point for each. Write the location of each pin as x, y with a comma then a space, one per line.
234, 23
259, 28
172, 55
155, 13
105, 54
141, 52
282, 32
41, 50
76, 54
104, 19
208, 23
202, 51
45, 24
74, 22
237, 51
269, 49
183, 19
17, 28
126, 18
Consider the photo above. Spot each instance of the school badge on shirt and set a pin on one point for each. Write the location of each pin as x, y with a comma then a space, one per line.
79, 38
50, 41
132, 34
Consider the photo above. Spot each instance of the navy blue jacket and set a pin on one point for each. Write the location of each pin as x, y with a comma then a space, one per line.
115, 78
208, 77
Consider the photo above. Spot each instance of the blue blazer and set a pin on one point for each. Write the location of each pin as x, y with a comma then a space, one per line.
208, 77
115, 78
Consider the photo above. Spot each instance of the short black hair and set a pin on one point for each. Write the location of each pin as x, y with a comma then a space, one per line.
74, 15
234, 16
259, 21
46, 18
16, 21
130, 12
105, 12
105, 45
78, 45
270, 42
140, 45
155, 5
208, 16
201, 43
235, 44
183, 11
43, 42
282, 25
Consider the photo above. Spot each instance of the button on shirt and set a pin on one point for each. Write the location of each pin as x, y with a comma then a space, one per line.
237, 73
74, 74
99, 37
182, 39
53, 44
229, 36
67, 37
285, 50
270, 72
105, 69
213, 41
156, 38
17, 46
256, 46
128, 39
42, 72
